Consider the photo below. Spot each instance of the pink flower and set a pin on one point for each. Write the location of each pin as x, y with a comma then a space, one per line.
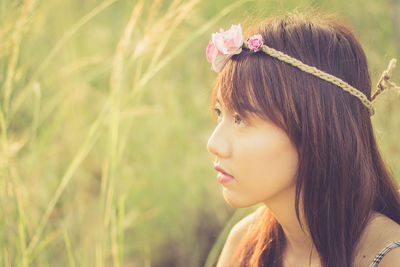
229, 42
255, 42
223, 45
210, 51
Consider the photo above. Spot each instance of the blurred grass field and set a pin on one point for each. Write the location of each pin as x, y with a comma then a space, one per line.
104, 122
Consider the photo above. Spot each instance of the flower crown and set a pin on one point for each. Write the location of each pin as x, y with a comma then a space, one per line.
224, 44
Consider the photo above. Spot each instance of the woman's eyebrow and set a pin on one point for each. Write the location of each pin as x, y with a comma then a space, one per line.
219, 103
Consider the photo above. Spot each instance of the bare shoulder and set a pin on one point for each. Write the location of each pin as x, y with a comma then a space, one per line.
391, 232
385, 227
380, 232
239, 230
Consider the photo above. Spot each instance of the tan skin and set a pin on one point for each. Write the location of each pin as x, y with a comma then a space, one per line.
379, 232
263, 162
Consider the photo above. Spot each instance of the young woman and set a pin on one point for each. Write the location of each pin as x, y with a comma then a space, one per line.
293, 105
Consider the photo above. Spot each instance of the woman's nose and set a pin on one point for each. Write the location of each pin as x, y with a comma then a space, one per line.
218, 143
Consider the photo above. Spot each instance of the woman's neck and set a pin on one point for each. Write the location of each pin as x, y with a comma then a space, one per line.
299, 245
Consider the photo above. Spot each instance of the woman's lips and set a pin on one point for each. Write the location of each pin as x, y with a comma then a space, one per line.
223, 177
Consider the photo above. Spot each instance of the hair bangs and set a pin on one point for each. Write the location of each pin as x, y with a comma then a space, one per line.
243, 90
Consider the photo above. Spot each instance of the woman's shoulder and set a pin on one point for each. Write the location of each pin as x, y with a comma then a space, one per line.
242, 227
238, 231
379, 233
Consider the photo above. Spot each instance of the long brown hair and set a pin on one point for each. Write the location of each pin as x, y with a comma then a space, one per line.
341, 176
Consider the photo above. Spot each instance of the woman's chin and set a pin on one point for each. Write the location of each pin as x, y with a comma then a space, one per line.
235, 200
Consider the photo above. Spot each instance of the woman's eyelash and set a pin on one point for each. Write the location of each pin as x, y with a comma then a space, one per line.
238, 119
217, 112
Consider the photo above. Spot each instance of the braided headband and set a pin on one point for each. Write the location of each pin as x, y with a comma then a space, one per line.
224, 44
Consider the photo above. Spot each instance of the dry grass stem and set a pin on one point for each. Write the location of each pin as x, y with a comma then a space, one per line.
21, 28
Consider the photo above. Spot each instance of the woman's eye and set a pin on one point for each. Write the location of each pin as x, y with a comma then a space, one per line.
238, 120
217, 113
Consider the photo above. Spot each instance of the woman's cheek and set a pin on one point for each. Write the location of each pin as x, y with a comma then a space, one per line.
268, 165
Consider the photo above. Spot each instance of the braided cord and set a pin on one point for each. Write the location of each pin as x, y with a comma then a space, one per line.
383, 82
320, 74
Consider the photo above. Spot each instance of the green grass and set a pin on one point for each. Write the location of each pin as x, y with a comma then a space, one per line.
104, 122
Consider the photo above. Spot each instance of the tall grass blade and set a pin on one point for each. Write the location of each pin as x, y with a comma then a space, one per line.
20, 29
91, 139
115, 91
151, 72
167, 35
114, 242
68, 35
43, 244
6, 257
67, 242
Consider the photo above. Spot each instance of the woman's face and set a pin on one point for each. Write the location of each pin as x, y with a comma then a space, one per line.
258, 158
